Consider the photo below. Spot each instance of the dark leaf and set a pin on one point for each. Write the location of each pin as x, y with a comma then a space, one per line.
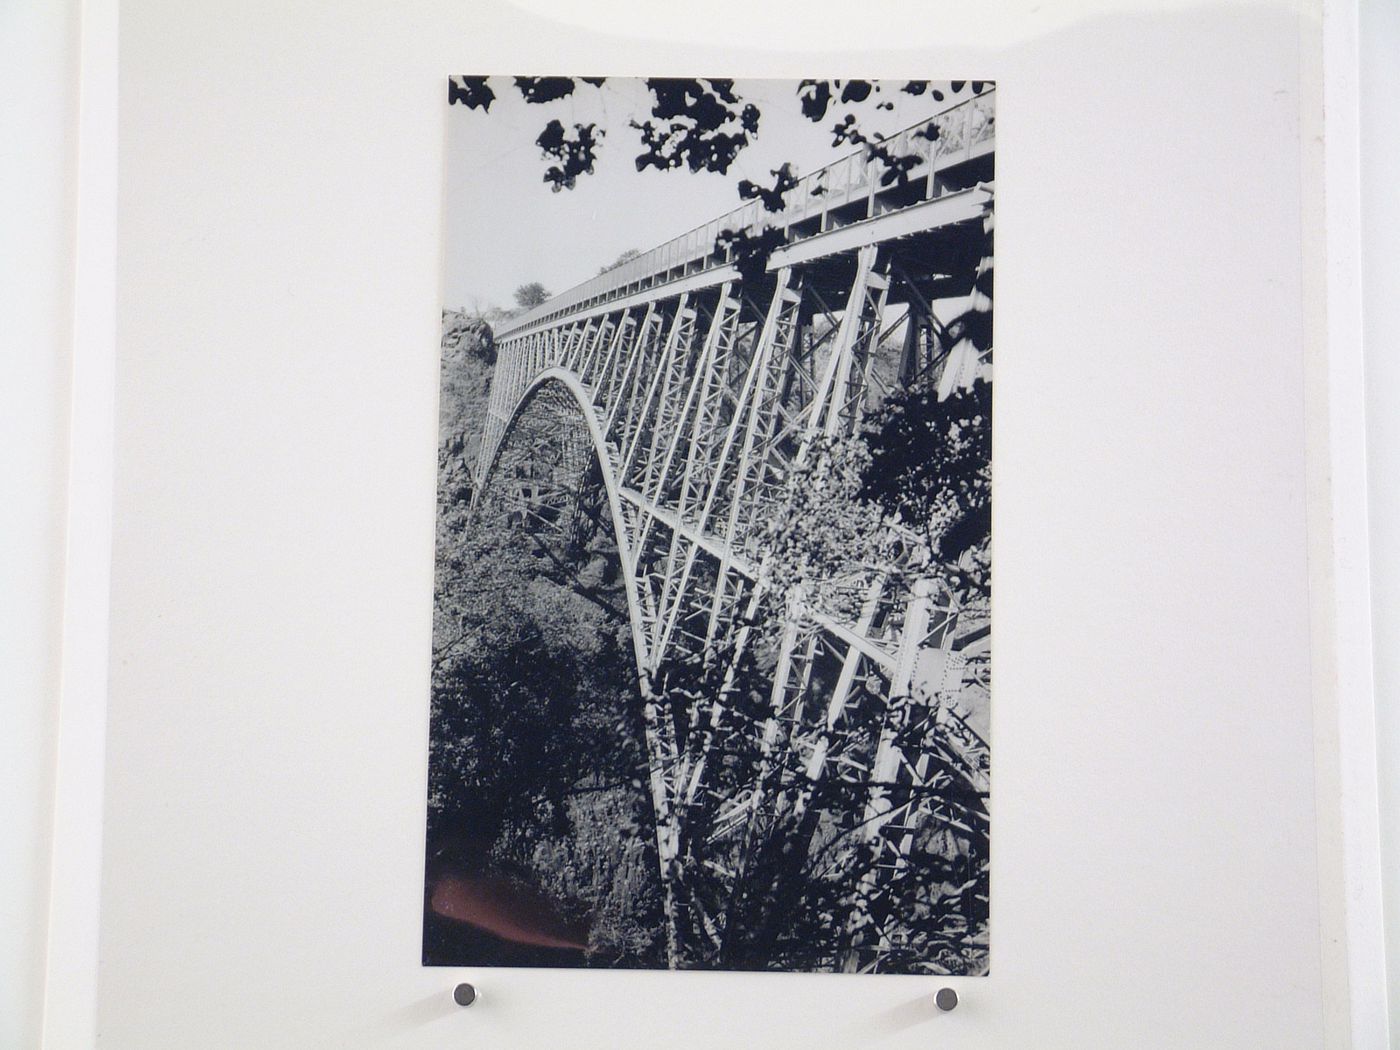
815, 97
539, 90
471, 92
856, 91
784, 180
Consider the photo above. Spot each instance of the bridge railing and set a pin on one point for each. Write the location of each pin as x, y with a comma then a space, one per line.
845, 191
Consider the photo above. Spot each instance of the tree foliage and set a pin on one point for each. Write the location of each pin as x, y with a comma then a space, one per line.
784, 179
930, 469
536, 764
531, 295
702, 124
574, 153
824, 539
699, 124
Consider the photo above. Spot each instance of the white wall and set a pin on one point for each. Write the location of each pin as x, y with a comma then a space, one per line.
1380, 215
70, 987
1157, 879
37, 116
1343, 653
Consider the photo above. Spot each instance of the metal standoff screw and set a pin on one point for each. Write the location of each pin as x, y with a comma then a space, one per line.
465, 994
946, 999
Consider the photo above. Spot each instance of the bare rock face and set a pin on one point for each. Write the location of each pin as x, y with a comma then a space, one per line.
465, 334
468, 361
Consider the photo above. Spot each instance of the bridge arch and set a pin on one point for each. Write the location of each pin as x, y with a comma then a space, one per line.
571, 392
555, 419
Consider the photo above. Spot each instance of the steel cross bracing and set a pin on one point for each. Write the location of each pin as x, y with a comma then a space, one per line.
689, 405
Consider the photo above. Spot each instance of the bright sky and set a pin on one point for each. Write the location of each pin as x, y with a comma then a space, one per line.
506, 228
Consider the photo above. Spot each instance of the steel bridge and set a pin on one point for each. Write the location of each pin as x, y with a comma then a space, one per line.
690, 394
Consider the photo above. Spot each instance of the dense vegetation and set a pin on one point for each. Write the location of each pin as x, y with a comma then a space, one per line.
539, 843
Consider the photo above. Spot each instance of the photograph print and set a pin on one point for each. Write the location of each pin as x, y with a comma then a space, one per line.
711, 663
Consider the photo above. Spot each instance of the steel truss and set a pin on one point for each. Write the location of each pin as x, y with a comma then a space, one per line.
692, 406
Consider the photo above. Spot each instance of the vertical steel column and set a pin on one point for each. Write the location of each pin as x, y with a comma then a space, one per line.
678, 430
632, 350
605, 381
668, 421
885, 767
631, 390
785, 298
590, 354
825, 415
708, 377
836, 704
658, 376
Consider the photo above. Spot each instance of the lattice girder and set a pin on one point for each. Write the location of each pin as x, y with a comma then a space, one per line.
693, 406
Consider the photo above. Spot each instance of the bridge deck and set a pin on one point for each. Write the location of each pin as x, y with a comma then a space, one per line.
852, 191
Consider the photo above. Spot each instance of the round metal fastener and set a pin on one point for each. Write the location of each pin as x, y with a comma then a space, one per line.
946, 999
464, 994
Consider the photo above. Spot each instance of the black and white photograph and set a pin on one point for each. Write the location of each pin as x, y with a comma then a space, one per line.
711, 645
